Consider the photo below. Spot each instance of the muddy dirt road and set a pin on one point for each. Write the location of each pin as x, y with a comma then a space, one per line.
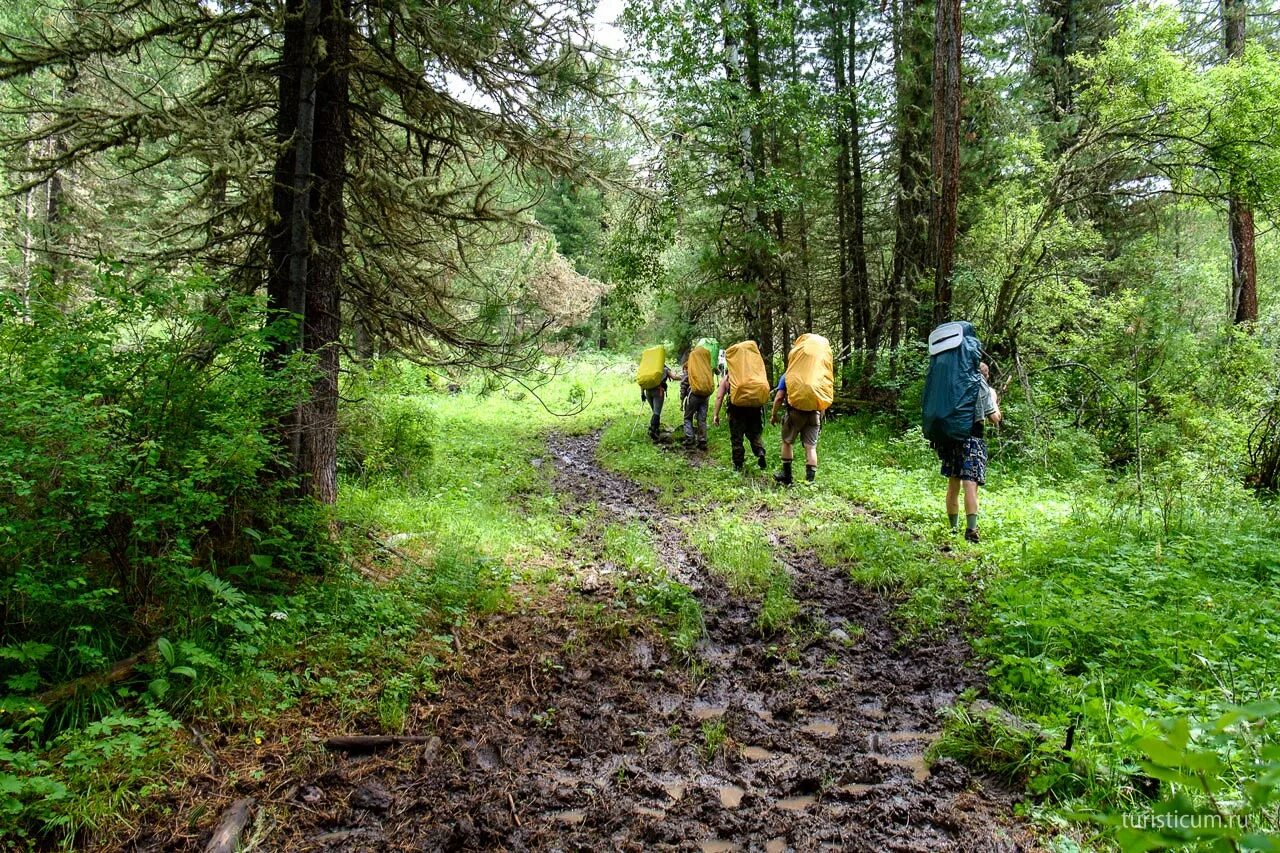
565, 731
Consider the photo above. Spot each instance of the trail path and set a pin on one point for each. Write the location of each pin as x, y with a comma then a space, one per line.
563, 732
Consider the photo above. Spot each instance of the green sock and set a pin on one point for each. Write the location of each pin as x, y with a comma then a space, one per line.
971, 521
954, 518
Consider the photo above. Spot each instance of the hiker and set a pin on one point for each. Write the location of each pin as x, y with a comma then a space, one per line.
746, 388
745, 422
809, 364
695, 393
800, 424
655, 397
964, 462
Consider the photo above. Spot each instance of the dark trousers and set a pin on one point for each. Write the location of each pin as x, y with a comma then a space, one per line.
746, 422
695, 418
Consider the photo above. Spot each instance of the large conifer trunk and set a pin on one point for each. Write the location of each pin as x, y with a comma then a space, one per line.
946, 152
1244, 266
306, 246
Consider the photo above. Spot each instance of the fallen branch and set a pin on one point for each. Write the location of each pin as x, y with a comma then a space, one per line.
357, 743
94, 681
226, 838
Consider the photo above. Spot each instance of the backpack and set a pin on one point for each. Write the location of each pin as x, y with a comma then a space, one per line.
748, 382
953, 383
698, 369
712, 347
810, 374
653, 363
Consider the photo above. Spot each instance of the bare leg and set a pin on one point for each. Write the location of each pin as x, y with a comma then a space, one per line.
811, 456
970, 497
953, 496
787, 453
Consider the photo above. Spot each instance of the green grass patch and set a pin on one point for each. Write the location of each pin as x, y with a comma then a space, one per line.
648, 585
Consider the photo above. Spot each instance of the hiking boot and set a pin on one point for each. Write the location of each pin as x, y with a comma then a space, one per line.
971, 534
783, 477
810, 472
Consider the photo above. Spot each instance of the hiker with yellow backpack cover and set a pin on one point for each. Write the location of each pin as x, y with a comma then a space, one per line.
807, 389
746, 385
652, 376
696, 389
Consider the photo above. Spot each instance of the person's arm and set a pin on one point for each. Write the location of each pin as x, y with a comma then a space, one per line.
995, 415
777, 403
724, 389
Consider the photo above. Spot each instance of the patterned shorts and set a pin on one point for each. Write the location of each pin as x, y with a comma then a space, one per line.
965, 460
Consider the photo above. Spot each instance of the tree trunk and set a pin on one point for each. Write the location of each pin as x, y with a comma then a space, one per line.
289, 246
913, 82
857, 236
844, 213
306, 249
322, 326
1244, 266
946, 152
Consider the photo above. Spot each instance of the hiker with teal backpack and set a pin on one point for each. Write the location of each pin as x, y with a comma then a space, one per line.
958, 402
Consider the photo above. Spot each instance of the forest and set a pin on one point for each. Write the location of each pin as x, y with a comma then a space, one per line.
328, 515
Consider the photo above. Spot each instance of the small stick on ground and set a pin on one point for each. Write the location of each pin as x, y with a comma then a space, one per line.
226, 838
512, 801
355, 743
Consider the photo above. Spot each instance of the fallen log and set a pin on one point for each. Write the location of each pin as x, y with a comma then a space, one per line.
94, 681
358, 743
226, 838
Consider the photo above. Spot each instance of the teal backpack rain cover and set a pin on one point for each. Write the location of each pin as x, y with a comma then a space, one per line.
952, 384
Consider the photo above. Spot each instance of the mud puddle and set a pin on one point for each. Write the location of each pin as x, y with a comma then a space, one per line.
551, 737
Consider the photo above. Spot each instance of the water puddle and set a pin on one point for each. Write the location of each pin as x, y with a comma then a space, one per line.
675, 790
914, 763
708, 712
718, 846
731, 796
821, 728
775, 845
756, 753
796, 804
648, 812
570, 817
855, 788
902, 737
873, 710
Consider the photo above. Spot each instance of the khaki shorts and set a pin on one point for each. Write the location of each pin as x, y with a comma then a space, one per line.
806, 425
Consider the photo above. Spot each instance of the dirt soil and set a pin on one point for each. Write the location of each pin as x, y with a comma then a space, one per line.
568, 727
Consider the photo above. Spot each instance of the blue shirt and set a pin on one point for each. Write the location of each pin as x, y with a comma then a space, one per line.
782, 386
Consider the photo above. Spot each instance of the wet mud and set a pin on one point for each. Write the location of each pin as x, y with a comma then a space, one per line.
571, 728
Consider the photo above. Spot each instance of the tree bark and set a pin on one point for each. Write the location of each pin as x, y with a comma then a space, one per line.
844, 214
306, 248
857, 235
945, 152
1244, 265
322, 325
913, 82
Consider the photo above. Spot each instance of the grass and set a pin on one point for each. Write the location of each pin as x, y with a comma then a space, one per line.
741, 553
645, 582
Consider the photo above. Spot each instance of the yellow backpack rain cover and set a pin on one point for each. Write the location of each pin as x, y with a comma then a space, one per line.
701, 380
810, 381
748, 382
652, 362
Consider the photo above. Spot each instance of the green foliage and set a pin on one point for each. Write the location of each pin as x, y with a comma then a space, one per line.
670, 601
